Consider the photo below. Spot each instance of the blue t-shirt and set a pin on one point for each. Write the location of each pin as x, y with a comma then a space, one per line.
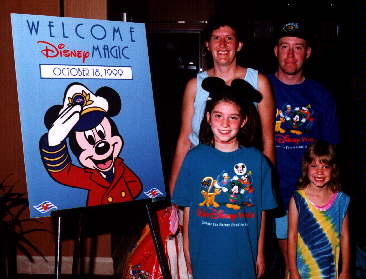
305, 113
226, 193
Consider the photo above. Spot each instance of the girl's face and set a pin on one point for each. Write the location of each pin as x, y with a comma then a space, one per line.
223, 45
225, 120
319, 173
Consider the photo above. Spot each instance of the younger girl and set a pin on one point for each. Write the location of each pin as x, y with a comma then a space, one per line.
318, 219
224, 186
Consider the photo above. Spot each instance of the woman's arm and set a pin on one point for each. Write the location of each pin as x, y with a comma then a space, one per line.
345, 249
266, 109
260, 263
186, 239
183, 143
292, 239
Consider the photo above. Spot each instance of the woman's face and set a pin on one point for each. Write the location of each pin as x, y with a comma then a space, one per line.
223, 45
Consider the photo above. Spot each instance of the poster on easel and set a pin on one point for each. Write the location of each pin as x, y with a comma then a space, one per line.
87, 112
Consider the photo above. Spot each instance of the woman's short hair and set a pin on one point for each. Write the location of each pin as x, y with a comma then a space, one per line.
218, 21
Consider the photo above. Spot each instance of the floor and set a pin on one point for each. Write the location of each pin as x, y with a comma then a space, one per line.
51, 276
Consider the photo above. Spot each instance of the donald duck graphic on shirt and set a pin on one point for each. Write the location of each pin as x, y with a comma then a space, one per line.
234, 190
296, 120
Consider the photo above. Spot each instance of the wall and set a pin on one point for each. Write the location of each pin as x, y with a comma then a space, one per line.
10, 140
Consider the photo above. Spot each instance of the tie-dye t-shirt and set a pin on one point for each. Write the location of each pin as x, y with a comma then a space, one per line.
319, 232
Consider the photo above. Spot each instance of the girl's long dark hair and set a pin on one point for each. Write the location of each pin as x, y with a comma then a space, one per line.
326, 152
243, 95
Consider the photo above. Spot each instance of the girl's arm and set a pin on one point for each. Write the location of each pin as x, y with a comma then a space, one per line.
186, 239
345, 249
266, 110
292, 239
260, 263
183, 143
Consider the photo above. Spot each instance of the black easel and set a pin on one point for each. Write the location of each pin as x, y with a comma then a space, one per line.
157, 243
58, 256
149, 206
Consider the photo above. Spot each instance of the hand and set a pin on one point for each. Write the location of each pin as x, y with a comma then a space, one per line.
260, 266
63, 125
344, 275
294, 275
189, 268
173, 219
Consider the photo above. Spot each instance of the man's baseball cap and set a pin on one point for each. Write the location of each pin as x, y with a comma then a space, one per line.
291, 28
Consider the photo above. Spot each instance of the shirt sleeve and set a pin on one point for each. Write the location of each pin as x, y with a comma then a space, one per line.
268, 195
182, 194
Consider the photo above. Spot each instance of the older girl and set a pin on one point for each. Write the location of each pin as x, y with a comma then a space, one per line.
225, 187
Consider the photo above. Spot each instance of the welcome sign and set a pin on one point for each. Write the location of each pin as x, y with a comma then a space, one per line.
87, 112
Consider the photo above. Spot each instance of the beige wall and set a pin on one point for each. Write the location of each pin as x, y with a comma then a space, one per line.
10, 136
86, 8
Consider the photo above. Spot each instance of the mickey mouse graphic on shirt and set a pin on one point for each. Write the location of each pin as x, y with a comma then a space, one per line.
85, 120
232, 191
296, 120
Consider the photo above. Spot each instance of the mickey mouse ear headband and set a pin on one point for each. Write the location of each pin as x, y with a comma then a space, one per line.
239, 90
214, 85
245, 88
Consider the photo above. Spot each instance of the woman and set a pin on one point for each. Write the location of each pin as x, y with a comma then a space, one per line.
223, 41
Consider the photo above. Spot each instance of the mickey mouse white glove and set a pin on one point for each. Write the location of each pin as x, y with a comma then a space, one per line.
63, 125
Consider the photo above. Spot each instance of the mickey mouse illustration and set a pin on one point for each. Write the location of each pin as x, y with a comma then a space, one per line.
85, 119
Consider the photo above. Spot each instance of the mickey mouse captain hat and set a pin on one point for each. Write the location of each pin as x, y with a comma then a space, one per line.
93, 108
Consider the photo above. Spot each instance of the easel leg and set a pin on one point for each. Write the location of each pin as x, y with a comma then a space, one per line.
158, 246
58, 249
77, 265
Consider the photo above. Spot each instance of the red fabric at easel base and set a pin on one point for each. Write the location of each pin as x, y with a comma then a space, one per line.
143, 261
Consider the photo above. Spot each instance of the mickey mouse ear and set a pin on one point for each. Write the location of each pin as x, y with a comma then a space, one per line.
213, 84
244, 87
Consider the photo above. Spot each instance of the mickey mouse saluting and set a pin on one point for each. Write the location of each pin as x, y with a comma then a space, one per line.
85, 118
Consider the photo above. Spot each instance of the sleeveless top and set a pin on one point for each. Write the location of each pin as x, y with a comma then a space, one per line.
319, 233
200, 100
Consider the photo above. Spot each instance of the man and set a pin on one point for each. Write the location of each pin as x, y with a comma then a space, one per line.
306, 112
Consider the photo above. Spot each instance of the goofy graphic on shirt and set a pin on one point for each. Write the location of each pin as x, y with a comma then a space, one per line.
233, 191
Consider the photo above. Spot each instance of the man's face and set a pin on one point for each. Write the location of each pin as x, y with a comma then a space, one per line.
291, 53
